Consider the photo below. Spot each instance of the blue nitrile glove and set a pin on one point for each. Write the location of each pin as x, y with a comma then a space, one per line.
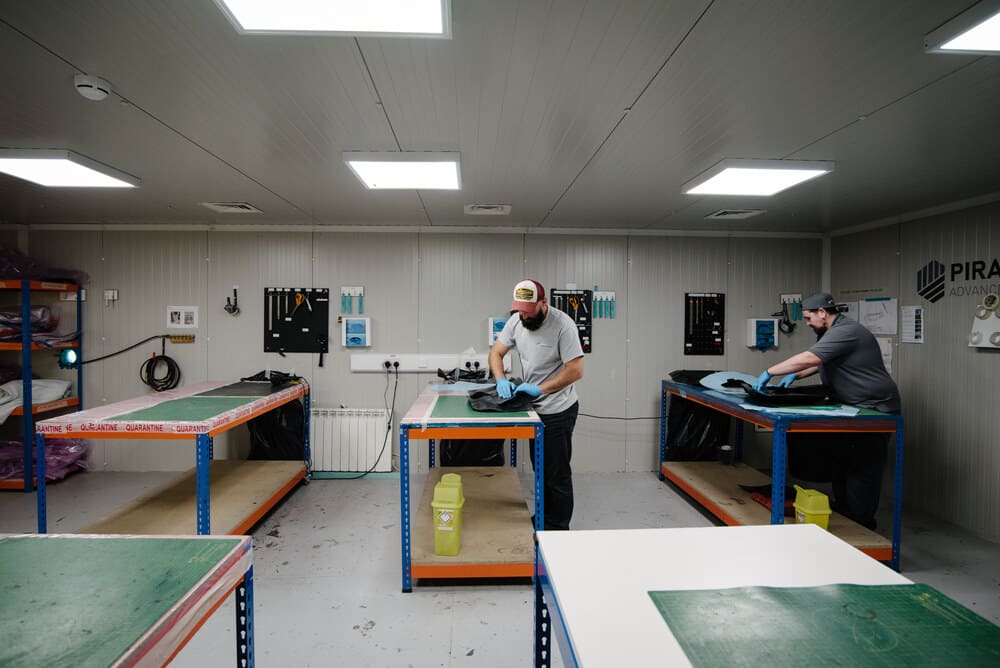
762, 381
530, 389
505, 388
787, 380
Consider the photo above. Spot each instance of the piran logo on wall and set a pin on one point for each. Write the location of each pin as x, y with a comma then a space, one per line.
932, 283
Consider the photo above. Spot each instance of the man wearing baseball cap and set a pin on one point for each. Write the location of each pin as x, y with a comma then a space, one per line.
548, 346
849, 361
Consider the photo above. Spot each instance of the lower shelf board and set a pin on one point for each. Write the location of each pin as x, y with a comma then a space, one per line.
497, 535
241, 493
717, 488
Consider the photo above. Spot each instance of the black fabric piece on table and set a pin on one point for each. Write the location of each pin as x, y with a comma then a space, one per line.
466, 375
689, 377
488, 401
808, 395
244, 389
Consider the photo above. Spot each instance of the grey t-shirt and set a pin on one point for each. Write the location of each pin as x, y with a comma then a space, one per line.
853, 369
543, 353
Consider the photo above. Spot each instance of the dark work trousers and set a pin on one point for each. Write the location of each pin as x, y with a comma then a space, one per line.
853, 462
558, 432
856, 472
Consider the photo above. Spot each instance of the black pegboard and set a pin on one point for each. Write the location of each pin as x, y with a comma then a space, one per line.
296, 325
704, 323
577, 304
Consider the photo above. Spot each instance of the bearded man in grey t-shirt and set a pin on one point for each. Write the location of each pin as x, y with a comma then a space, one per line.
548, 344
849, 361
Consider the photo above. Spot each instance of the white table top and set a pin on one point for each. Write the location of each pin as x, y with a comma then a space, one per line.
601, 578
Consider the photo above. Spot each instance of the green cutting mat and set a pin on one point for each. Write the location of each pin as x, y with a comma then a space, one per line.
82, 602
835, 625
191, 409
454, 406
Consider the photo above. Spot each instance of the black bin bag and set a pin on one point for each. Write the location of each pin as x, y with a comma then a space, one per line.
472, 452
694, 432
278, 434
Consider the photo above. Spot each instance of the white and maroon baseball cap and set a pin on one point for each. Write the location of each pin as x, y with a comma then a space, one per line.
527, 294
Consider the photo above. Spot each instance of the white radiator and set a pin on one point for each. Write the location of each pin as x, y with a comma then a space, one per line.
350, 439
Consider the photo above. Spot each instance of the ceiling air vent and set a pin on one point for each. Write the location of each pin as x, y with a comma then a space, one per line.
735, 214
231, 207
487, 209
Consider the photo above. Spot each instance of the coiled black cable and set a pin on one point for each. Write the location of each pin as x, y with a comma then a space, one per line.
147, 372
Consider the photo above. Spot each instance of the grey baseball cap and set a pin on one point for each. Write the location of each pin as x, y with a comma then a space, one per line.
823, 300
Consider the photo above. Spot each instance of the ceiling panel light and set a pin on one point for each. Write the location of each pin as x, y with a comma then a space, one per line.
754, 177
368, 18
60, 168
976, 30
415, 170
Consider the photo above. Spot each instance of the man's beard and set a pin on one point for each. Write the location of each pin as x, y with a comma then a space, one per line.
820, 331
534, 322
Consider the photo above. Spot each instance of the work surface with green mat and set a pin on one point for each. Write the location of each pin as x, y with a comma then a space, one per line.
192, 409
84, 600
833, 625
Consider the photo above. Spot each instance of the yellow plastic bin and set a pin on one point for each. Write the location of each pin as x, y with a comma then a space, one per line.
447, 505
812, 506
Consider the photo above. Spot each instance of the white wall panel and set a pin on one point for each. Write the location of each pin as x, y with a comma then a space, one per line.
951, 465
430, 292
557, 261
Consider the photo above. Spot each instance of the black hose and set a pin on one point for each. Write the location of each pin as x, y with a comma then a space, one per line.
147, 373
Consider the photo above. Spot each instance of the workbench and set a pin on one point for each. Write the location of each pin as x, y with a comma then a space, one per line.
497, 534
767, 595
245, 490
717, 487
85, 600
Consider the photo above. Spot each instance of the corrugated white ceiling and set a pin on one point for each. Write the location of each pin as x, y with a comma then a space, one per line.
578, 114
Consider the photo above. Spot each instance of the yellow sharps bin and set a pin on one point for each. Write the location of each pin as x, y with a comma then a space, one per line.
811, 506
447, 505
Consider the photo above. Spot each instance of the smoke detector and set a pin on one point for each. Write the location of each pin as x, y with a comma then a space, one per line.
487, 209
92, 88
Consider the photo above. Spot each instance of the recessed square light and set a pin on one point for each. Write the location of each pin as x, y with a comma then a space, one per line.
410, 170
976, 30
754, 177
59, 168
369, 18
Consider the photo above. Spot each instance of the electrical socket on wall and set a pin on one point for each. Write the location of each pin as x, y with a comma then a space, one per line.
418, 363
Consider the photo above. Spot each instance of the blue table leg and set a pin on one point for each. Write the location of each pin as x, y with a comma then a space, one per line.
779, 450
539, 477
307, 451
513, 452
431, 453
404, 505
897, 497
40, 493
738, 450
663, 429
202, 480
543, 629
244, 621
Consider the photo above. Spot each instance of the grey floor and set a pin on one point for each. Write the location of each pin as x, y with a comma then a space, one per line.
327, 571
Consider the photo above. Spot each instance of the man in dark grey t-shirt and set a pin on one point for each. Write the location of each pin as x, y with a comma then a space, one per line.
849, 361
